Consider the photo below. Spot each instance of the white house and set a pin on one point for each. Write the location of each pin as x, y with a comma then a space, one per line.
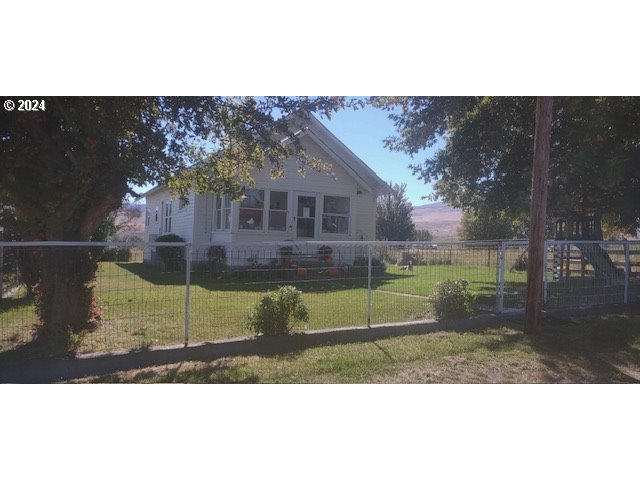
336, 206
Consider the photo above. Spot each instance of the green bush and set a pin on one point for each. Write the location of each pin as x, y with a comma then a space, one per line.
361, 265
217, 256
451, 299
172, 257
277, 312
115, 254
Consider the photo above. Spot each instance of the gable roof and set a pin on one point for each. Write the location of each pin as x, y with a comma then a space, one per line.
338, 151
343, 156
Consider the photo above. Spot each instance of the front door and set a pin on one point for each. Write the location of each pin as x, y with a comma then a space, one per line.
305, 217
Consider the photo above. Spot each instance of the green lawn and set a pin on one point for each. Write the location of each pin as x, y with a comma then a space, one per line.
143, 307
596, 349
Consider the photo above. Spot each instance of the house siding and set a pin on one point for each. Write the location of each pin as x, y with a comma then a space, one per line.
195, 222
182, 220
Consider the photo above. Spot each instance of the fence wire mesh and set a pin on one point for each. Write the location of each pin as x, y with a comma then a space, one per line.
141, 300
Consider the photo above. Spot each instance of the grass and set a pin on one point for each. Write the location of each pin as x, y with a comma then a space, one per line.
143, 307
596, 349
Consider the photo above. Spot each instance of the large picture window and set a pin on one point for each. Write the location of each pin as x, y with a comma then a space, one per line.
252, 210
335, 215
278, 206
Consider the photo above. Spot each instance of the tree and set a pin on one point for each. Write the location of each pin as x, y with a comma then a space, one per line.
129, 223
65, 169
485, 226
393, 220
485, 145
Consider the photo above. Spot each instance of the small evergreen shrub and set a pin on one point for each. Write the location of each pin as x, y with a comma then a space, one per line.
172, 257
115, 254
361, 265
217, 256
451, 299
277, 312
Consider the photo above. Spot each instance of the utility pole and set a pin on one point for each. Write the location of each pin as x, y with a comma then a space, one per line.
537, 255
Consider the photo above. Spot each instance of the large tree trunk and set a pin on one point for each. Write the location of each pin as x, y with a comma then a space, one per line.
537, 255
64, 294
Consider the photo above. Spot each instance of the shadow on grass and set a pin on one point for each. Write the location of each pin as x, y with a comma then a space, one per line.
7, 304
255, 280
219, 371
582, 351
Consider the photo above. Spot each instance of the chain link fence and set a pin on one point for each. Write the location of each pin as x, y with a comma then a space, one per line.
156, 294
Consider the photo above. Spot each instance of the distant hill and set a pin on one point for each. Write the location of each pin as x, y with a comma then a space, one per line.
440, 219
130, 222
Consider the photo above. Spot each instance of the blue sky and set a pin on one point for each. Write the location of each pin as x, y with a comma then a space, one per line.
363, 131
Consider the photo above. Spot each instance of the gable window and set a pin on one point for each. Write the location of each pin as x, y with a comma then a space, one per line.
222, 218
335, 216
278, 206
184, 202
167, 217
252, 210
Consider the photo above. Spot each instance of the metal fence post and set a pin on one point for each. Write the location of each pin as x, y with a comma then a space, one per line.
500, 277
187, 299
1, 270
627, 268
369, 287
544, 273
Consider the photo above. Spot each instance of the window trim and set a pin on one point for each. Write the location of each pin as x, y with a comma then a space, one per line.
225, 205
268, 209
262, 210
342, 215
168, 217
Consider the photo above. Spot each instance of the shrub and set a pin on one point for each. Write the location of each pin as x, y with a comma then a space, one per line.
217, 256
362, 265
115, 254
277, 312
451, 299
172, 257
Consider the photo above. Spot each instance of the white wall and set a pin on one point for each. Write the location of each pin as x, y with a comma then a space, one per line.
201, 207
339, 182
181, 219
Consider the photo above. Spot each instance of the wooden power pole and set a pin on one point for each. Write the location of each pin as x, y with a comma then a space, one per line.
537, 255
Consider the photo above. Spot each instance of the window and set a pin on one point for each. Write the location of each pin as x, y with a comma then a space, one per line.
252, 210
222, 218
184, 202
278, 207
335, 216
156, 220
147, 217
167, 217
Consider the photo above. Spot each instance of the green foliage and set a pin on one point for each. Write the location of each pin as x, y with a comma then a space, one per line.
115, 254
361, 265
64, 170
277, 312
217, 256
172, 257
106, 230
451, 299
484, 152
393, 220
484, 226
